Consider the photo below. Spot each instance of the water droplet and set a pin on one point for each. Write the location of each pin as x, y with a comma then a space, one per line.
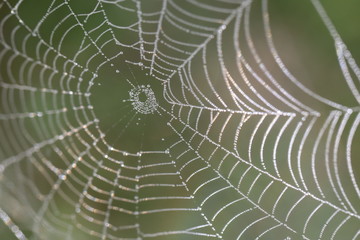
77, 209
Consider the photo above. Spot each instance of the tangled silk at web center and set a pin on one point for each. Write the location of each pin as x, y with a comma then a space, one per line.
147, 106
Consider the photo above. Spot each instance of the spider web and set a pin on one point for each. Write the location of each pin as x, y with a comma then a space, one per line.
171, 120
